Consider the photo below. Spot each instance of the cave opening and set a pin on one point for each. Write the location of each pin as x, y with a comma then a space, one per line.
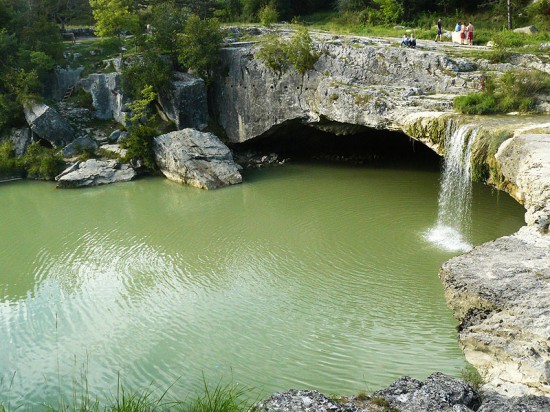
359, 145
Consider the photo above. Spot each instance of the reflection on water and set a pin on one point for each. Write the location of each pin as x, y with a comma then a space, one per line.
302, 277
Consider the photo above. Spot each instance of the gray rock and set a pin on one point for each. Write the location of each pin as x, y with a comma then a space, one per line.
186, 103
21, 139
520, 404
499, 292
114, 148
524, 161
114, 136
526, 30
195, 158
60, 81
544, 46
297, 401
438, 392
94, 173
48, 124
79, 145
108, 100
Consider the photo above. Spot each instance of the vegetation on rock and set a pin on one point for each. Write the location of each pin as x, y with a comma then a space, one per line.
515, 90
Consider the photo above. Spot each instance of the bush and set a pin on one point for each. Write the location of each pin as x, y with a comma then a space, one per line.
140, 146
515, 90
42, 163
507, 38
148, 70
475, 103
10, 166
299, 53
268, 14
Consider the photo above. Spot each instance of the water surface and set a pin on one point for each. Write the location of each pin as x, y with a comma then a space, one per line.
305, 276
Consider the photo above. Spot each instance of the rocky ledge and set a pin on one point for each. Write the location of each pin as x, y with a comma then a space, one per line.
438, 393
95, 173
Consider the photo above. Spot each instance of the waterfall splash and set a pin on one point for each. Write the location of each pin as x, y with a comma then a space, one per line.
455, 195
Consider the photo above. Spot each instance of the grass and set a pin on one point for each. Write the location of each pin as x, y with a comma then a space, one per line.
217, 398
472, 376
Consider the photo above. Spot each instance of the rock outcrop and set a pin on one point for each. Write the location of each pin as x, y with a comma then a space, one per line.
185, 104
196, 158
108, 100
48, 124
500, 292
61, 80
94, 173
524, 162
359, 82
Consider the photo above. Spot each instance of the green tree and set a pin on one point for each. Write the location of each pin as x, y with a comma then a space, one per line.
113, 16
147, 70
200, 44
167, 21
268, 14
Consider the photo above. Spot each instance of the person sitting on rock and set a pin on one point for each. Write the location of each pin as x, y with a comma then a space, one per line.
412, 41
405, 41
458, 26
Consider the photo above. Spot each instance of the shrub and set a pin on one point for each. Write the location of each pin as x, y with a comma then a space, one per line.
298, 53
139, 145
148, 70
268, 14
9, 165
515, 90
475, 103
472, 376
42, 163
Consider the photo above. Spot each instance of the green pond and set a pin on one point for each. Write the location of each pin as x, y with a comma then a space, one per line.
309, 275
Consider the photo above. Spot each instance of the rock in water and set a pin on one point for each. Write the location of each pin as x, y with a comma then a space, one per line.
196, 158
48, 124
94, 173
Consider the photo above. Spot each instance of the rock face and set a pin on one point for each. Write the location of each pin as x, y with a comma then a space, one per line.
195, 158
61, 80
186, 103
94, 173
107, 96
48, 124
362, 82
500, 292
525, 162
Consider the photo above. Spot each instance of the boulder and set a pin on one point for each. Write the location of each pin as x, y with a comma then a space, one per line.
438, 392
526, 30
114, 148
195, 158
94, 173
107, 96
79, 145
185, 104
48, 124
499, 294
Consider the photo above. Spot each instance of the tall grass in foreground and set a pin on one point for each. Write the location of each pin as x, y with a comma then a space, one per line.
219, 398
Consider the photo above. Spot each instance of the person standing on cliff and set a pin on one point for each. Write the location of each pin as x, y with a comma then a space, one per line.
439, 30
470, 34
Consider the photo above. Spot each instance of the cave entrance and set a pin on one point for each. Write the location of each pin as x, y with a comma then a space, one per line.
363, 146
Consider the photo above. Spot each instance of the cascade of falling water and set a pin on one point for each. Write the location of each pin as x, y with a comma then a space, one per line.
455, 195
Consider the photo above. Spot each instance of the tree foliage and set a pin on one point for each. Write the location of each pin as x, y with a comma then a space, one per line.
113, 16
199, 45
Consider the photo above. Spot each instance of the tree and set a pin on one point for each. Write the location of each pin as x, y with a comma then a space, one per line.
113, 16
200, 44
167, 21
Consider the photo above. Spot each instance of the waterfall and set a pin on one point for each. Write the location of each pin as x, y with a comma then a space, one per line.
455, 194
